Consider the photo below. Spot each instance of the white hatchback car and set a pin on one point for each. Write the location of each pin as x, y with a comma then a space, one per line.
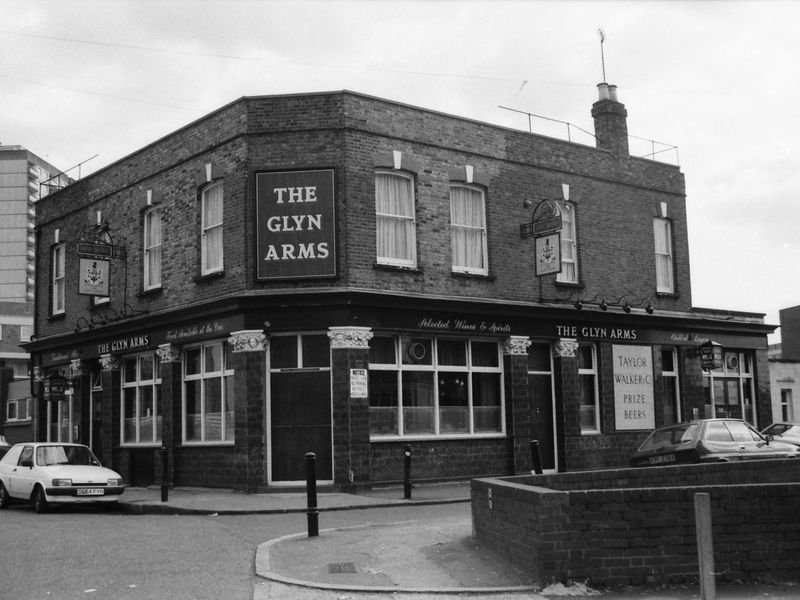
41, 473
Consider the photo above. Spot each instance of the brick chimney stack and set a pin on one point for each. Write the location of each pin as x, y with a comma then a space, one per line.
610, 121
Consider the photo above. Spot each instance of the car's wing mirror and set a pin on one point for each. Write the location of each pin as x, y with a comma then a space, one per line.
769, 437
26, 463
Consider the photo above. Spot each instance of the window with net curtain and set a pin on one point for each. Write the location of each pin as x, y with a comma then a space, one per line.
395, 219
569, 246
152, 249
211, 238
662, 229
468, 227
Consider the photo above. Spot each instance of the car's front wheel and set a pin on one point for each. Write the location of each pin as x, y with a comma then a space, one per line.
5, 499
39, 500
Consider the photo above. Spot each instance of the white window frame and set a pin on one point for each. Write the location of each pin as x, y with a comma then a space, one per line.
137, 386
25, 333
675, 378
569, 245
464, 229
665, 276
409, 222
435, 368
226, 437
787, 408
737, 366
212, 231
58, 279
593, 373
21, 409
152, 244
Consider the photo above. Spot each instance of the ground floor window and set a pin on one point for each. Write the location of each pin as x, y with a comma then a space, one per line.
141, 399
729, 388
587, 388
787, 410
423, 386
208, 397
670, 395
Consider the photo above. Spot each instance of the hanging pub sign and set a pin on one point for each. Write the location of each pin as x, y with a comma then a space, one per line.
54, 387
295, 224
94, 277
548, 254
711, 355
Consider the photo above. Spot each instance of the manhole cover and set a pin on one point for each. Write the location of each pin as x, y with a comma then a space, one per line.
342, 567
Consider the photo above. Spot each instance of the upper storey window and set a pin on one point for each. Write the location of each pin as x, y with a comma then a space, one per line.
395, 219
211, 236
662, 229
569, 245
59, 279
152, 249
468, 226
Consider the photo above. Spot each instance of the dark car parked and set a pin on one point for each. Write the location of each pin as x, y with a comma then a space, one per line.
709, 440
785, 432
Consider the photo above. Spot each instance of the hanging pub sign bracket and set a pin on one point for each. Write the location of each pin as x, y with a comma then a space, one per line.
95, 241
546, 219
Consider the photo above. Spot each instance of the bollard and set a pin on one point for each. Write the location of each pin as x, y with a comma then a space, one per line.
164, 474
705, 545
311, 494
535, 459
407, 472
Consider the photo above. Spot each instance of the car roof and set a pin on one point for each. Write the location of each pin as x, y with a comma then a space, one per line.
40, 444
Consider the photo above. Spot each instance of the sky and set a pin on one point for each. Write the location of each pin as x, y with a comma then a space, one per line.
715, 83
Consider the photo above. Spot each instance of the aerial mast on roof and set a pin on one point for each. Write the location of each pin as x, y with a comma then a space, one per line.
602, 55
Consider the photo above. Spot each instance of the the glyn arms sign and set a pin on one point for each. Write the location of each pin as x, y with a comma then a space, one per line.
295, 224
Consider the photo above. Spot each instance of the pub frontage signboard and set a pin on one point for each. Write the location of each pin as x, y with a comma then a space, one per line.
295, 224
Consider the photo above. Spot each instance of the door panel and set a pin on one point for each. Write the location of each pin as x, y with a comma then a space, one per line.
540, 396
300, 422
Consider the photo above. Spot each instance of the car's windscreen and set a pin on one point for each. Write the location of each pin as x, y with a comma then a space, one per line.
671, 436
64, 455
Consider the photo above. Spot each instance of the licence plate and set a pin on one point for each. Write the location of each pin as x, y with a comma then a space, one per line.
662, 459
90, 491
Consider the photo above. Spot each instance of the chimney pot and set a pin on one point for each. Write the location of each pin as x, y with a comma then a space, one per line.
602, 89
612, 93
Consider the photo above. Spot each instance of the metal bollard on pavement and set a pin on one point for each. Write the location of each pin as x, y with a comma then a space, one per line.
311, 494
164, 474
535, 458
407, 472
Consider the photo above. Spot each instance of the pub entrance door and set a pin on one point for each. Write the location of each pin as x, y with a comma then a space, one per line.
541, 408
299, 408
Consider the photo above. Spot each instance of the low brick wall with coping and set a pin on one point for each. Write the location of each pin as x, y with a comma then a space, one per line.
637, 526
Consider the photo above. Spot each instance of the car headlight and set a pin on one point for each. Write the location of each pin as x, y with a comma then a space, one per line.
62, 482
114, 481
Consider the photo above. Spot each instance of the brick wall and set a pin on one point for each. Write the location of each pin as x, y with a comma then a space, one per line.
439, 459
636, 526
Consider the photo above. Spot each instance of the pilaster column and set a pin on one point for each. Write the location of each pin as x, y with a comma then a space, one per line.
111, 415
351, 446
515, 359
249, 353
169, 356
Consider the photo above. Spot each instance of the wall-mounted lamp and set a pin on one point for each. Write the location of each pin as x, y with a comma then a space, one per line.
623, 302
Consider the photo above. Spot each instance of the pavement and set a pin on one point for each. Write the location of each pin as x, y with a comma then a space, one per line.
414, 560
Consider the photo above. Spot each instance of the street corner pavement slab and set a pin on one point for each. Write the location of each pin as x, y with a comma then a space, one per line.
416, 556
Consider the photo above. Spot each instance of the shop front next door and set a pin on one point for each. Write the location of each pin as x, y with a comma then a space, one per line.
299, 408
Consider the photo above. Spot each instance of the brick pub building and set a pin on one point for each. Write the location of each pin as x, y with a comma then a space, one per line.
346, 275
